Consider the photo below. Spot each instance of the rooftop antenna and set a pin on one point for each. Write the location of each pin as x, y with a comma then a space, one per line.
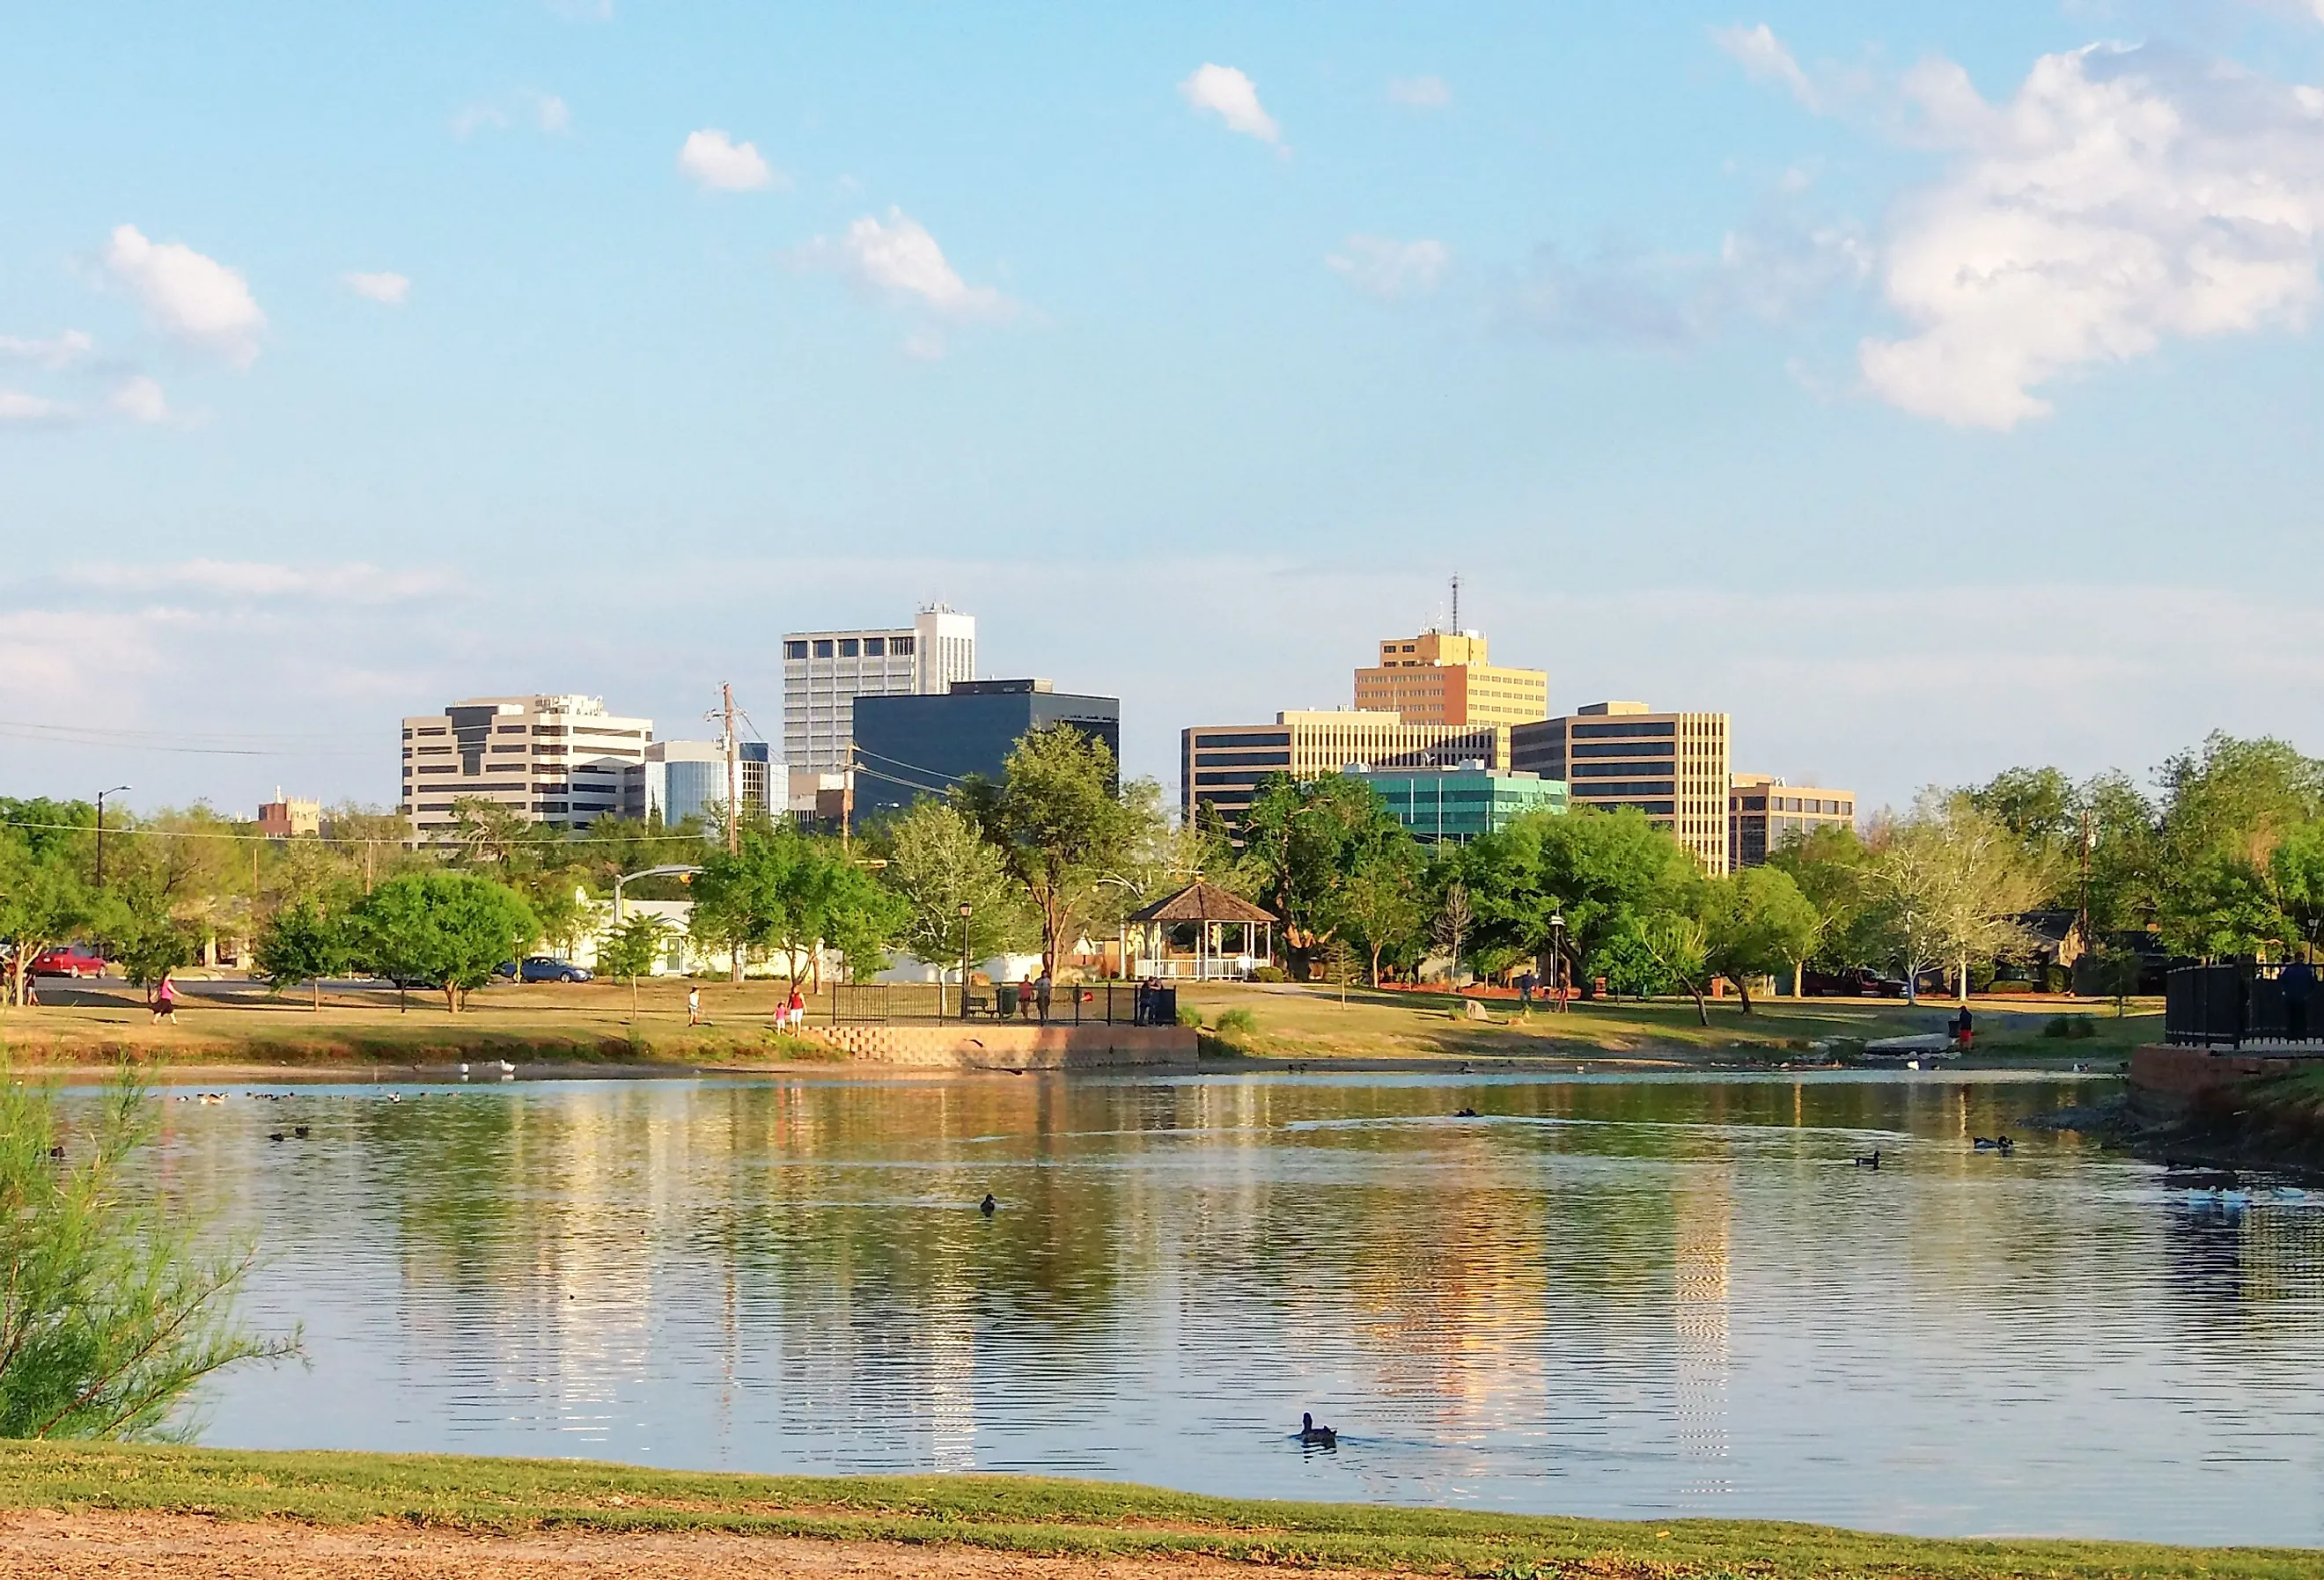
1456, 604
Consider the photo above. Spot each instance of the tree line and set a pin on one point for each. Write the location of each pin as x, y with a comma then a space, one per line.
2223, 856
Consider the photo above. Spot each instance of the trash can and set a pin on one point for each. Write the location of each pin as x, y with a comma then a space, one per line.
1005, 1001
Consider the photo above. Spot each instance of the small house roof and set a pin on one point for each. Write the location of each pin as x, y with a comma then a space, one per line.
1201, 902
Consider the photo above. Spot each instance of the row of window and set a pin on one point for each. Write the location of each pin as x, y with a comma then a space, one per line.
1598, 790
851, 647
1633, 731
1625, 749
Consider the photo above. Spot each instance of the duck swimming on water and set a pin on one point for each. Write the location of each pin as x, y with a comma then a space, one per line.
1314, 1437
988, 1206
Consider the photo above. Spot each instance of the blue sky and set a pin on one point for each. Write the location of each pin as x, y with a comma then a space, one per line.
1932, 388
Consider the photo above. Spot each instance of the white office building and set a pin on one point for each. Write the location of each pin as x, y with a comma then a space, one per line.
559, 760
825, 671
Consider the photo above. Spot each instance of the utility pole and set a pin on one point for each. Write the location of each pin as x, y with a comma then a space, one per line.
734, 774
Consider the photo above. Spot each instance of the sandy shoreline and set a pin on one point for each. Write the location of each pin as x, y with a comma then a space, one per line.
78, 1545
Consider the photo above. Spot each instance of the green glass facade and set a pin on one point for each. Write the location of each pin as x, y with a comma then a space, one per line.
1461, 804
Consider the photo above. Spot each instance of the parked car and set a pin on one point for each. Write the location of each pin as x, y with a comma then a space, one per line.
542, 968
72, 960
1854, 982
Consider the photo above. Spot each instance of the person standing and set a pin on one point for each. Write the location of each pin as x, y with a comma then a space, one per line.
795, 1012
693, 1005
2298, 981
1042, 987
165, 1001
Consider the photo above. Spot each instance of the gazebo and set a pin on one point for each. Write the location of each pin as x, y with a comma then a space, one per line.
1214, 917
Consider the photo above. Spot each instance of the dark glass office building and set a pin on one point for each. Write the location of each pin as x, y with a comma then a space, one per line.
911, 747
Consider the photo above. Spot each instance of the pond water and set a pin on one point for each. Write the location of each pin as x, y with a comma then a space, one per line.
1604, 1296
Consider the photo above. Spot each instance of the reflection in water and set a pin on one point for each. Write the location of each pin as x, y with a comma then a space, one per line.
1603, 1297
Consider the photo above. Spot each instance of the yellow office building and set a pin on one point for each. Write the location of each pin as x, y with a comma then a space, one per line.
1442, 677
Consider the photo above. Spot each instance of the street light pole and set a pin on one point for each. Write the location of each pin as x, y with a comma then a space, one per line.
1557, 961
964, 909
115, 790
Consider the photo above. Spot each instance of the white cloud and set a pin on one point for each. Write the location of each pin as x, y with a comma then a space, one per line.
899, 259
60, 351
16, 406
925, 346
192, 297
386, 289
469, 118
1226, 93
719, 163
1391, 270
139, 399
1424, 93
1764, 58
356, 582
2124, 196
549, 114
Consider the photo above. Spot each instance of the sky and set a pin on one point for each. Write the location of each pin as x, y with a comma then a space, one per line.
1932, 388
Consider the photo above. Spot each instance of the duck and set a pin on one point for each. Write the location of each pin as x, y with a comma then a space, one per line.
299, 1130
1868, 1160
1314, 1437
1985, 1143
1464, 1113
56, 1154
988, 1206
274, 1135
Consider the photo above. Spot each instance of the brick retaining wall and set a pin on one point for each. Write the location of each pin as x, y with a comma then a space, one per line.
1018, 1048
2179, 1074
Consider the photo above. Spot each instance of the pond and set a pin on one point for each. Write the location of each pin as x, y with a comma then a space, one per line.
1603, 1296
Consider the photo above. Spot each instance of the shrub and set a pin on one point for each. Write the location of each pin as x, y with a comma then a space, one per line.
2058, 1026
114, 1313
1189, 1016
1235, 1023
2005, 989
1269, 973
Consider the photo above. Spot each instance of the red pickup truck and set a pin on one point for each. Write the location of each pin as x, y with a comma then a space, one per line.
72, 960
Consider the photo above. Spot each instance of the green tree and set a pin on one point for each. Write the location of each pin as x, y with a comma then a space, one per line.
148, 940
1382, 904
1831, 867
1954, 880
1303, 842
301, 942
632, 950
785, 893
2295, 870
1681, 946
1755, 923
110, 1314
938, 860
44, 901
450, 928
1603, 873
1061, 825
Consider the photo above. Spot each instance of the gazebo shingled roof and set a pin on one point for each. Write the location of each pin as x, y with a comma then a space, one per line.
1201, 902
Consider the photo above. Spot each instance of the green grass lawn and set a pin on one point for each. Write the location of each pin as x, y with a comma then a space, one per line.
1298, 1022
1023, 1514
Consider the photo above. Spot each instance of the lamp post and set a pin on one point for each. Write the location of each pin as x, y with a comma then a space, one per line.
669, 872
115, 790
1557, 960
965, 909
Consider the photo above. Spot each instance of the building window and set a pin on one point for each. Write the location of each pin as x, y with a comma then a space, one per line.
823, 648
901, 647
848, 647
794, 649
875, 647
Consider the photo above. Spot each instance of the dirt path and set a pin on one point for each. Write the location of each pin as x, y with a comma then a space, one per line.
81, 1546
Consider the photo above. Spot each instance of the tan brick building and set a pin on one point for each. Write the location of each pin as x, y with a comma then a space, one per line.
1442, 677
1672, 766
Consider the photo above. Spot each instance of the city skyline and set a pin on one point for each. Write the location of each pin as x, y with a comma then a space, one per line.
352, 362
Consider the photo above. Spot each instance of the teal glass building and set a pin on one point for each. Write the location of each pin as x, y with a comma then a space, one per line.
1460, 804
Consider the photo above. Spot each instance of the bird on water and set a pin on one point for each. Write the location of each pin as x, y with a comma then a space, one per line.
1315, 1437
1870, 1161
988, 1206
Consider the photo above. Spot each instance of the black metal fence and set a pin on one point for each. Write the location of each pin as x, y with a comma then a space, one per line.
1103, 1003
2232, 1006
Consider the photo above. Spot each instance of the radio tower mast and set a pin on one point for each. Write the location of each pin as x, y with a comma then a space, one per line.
1456, 604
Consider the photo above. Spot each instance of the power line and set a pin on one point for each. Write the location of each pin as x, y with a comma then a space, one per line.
175, 742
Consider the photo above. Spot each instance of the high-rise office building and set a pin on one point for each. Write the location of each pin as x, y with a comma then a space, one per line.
1670, 766
1442, 677
825, 671
909, 747
687, 778
1219, 765
1764, 814
557, 760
